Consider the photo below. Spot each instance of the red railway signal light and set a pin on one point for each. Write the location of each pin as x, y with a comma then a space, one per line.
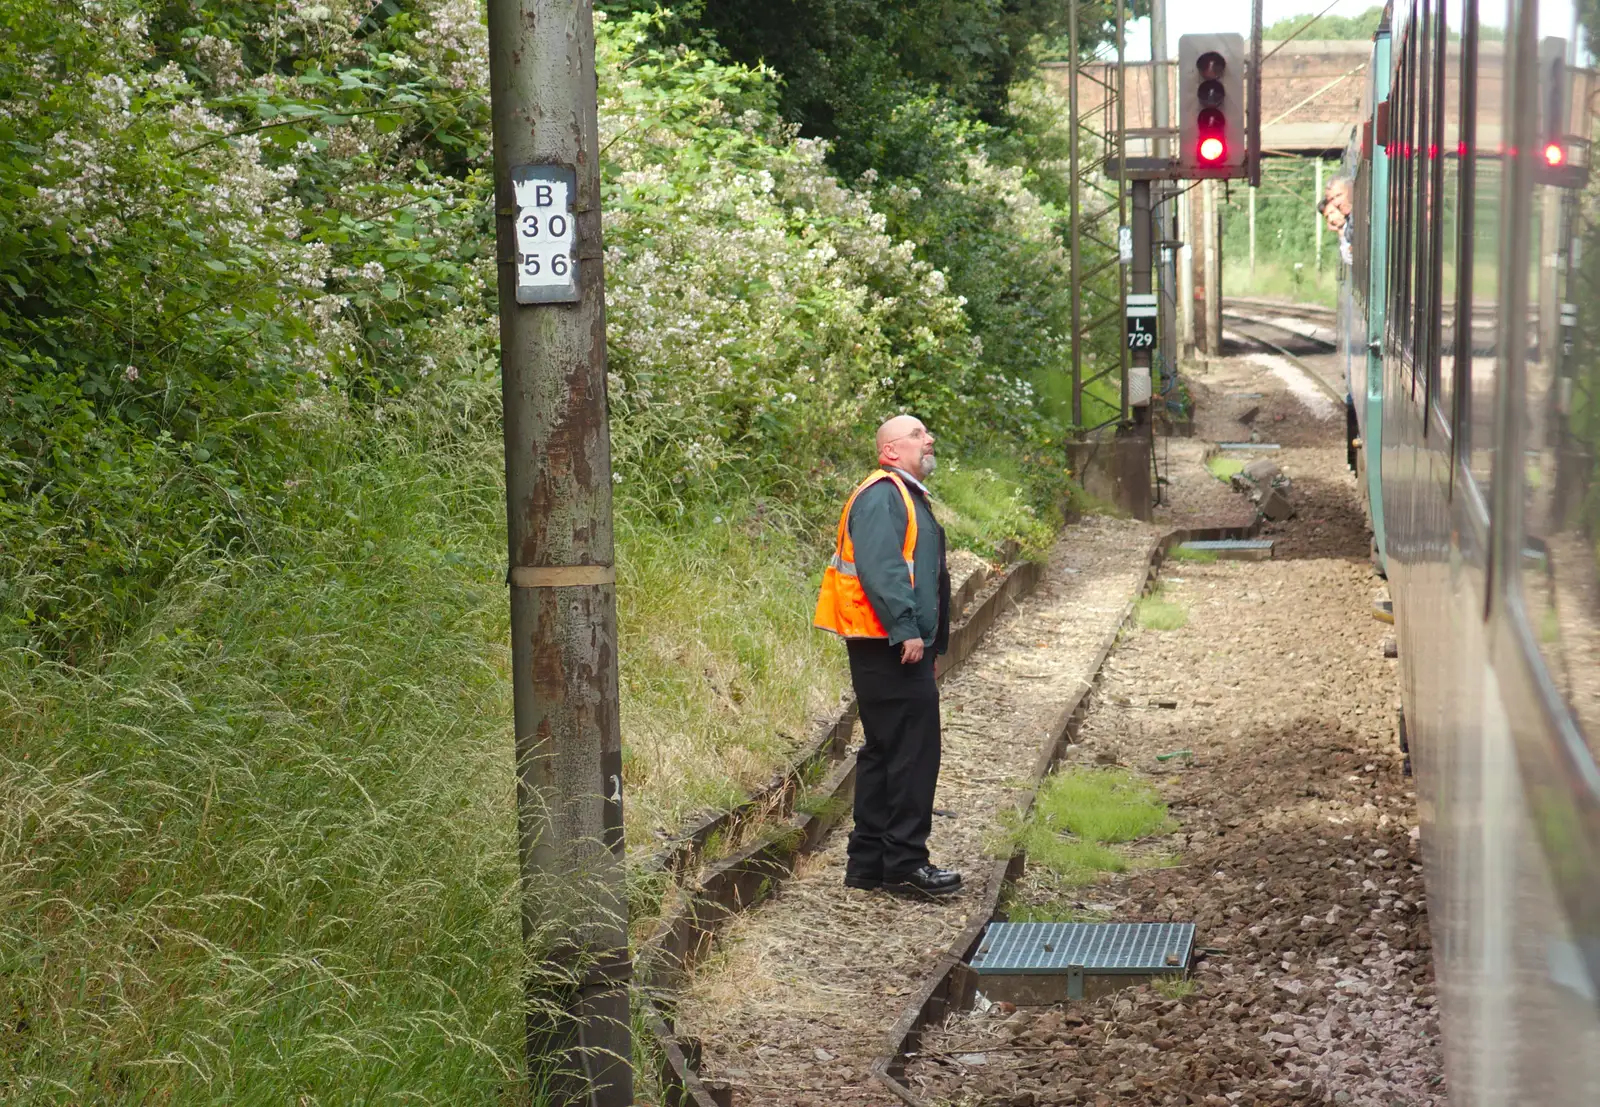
1563, 158
1211, 138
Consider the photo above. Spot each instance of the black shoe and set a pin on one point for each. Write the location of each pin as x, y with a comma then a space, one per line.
926, 881
865, 883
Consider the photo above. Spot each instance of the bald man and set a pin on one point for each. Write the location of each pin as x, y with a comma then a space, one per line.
887, 593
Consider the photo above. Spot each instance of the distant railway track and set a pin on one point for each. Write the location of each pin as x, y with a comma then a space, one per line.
1262, 305
1304, 334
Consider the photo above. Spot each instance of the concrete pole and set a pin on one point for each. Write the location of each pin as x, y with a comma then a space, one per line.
1213, 263
1550, 266
1121, 144
1143, 228
1074, 214
1161, 116
1317, 216
1194, 205
1160, 107
1185, 262
1252, 233
558, 510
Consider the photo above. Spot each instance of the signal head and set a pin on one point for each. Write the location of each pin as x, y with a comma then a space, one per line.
1212, 138
1555, 155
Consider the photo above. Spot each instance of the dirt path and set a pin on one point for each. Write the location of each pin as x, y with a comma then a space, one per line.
1297, 852
795, 1005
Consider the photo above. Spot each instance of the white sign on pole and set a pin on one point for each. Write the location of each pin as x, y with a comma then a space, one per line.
1125, 244
547, 258
1141, 305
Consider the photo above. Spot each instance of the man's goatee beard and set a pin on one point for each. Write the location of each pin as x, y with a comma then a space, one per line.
929, 463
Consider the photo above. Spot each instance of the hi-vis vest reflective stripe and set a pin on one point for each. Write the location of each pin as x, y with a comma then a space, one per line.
843, 607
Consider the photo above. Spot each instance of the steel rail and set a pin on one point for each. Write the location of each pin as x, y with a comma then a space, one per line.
1316, 376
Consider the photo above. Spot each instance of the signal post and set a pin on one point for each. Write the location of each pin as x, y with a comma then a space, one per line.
1217, 140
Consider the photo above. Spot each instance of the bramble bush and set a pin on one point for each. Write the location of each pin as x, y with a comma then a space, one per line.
205, 265
226, 226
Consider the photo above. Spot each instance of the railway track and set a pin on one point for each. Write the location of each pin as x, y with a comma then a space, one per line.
1304, 334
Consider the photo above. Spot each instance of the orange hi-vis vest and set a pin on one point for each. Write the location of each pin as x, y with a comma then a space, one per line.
843, 607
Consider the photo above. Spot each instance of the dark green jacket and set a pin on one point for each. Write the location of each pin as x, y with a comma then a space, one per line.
878, 531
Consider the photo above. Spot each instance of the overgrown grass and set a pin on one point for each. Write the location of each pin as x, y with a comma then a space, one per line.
1078, 817
1224, 468
1175, 987
984, 501
1282, 281
265, 853
1199, 557
1101, 805
721, 672
1156, 613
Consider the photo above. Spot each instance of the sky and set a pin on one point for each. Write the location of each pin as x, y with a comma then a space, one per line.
1198, 16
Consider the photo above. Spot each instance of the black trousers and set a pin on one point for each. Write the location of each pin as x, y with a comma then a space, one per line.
899, 764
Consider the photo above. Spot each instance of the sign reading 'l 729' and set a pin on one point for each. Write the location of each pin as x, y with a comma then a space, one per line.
1141, 321
547, 258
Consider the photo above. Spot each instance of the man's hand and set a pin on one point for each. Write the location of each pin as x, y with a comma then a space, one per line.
911, 651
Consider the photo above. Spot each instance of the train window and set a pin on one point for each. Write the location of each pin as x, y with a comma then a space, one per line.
1561, 423
1401, 136
1455, 331
1406, 170
1420, 170
1444, 152
1483, 57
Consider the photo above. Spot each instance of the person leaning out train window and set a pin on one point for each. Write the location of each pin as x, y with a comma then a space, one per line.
1334, 207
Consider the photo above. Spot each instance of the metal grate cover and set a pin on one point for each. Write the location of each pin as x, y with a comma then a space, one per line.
1248, 446
1229, 544
1050, 948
